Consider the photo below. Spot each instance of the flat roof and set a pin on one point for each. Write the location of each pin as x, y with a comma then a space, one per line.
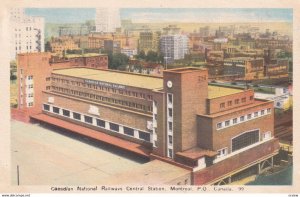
83, 55
135, 80
242, 58
217, 91
196, 153
155, 172
103, 137
127, 79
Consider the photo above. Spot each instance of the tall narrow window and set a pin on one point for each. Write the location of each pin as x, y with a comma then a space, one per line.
170, 98
170, 112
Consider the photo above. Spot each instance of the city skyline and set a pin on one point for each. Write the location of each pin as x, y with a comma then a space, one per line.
162, 15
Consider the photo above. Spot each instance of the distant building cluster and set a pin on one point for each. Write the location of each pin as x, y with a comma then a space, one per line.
240, 52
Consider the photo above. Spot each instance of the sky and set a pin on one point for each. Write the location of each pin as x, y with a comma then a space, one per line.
146, 15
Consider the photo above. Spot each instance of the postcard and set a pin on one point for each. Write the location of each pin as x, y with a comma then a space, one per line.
152, 97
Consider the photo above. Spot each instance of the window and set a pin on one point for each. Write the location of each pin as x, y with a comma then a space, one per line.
262, 112
66, 113
100, 123
222, 152
234, 120
46, 107
267, 135
170, 98
236, 101
88, 119
170, 112
76, 116
170, 139
251, 98
222, 105
242, 118
219, 125
227, 123
229, 103
244, 100
170, 153
144, 136
255, 114
56, 110
170, 126
245, 140
114, 127
249, 116
128, 131
269, 110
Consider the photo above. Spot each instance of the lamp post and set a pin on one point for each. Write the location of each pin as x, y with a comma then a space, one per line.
166, 62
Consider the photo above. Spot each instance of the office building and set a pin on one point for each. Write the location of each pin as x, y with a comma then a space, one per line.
244, 67
107, 20
173, 47
149, 41
26, 33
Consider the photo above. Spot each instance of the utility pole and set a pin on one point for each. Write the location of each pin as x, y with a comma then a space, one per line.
18, 175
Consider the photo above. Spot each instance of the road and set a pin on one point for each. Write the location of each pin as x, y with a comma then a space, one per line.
46, 157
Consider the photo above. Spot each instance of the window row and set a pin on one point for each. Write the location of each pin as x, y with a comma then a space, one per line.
99, 122
235, 101
243, 118
107, 89
104, 99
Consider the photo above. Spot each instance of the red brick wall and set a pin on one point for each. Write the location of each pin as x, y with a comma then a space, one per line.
222, 138
235, 162
211, 138
159, 97
214, 104
190, 90
37, 65
116, 115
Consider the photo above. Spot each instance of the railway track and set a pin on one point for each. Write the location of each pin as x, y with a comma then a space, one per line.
284, 131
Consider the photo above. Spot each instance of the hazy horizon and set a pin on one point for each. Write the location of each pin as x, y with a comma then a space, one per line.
169, 15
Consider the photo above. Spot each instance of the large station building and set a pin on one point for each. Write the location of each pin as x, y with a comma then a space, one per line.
214, 132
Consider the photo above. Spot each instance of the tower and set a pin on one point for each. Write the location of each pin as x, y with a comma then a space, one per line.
186, 91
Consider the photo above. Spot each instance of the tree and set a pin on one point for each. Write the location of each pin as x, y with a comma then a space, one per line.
141, 55
117, 61
48, 47
13, 70
152, 56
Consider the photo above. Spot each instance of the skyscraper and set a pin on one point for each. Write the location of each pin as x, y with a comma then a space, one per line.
107, 20
27, 33
173, 47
